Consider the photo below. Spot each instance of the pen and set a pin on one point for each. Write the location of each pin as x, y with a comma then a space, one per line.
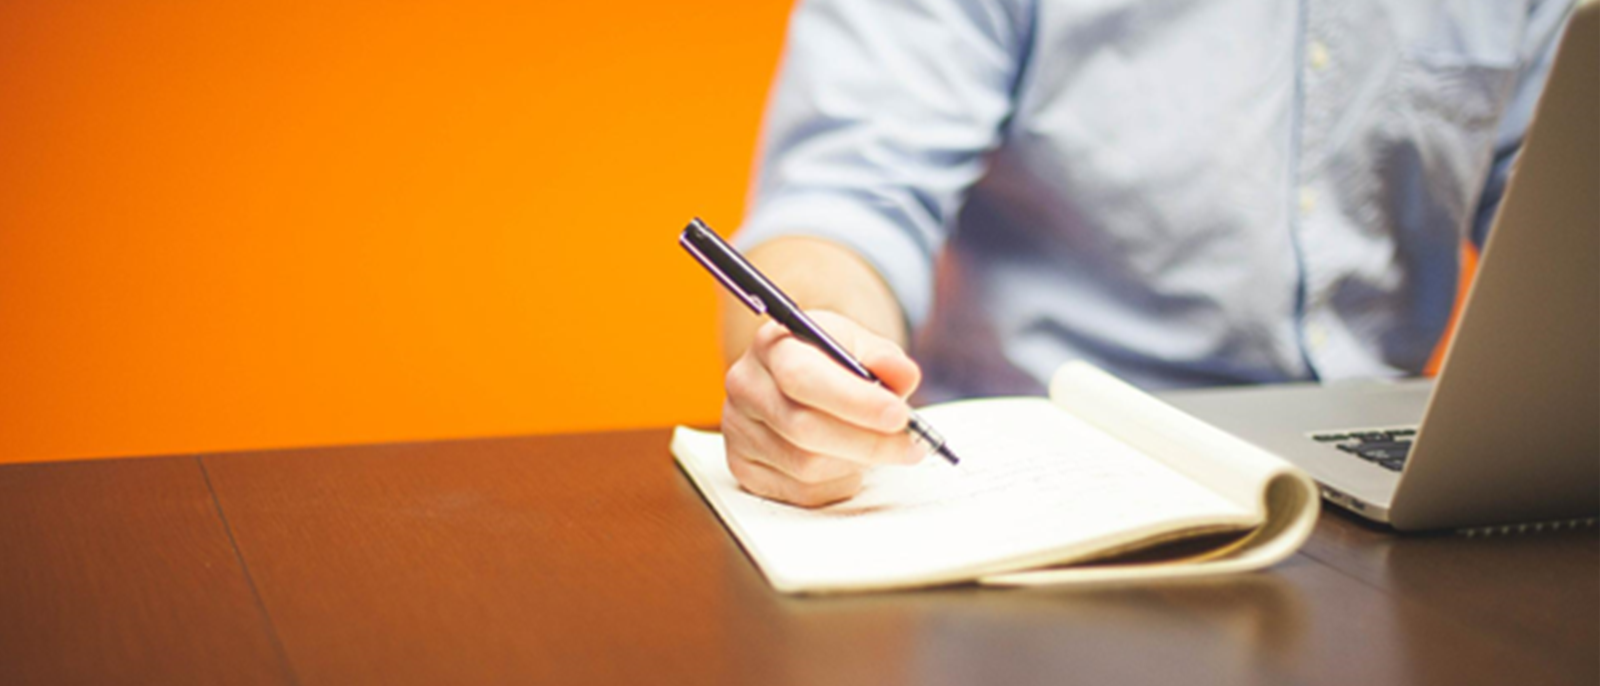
761, 296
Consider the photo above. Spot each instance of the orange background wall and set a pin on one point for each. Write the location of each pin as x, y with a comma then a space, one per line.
246, 224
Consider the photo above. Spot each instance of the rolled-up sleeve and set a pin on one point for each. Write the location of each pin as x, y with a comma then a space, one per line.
878, 124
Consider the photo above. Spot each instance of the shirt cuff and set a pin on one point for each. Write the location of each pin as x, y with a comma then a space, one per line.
895, 251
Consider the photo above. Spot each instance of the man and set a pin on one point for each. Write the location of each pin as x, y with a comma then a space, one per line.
1184, 193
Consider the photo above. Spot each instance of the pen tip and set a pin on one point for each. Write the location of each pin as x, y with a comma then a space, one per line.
948, 455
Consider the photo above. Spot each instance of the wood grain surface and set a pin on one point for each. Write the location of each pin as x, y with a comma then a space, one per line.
1538, 592
589, 559
121, 572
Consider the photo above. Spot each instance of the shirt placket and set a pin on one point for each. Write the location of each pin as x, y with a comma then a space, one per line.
1320, 331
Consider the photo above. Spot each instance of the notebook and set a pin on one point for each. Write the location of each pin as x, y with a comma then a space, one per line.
1098, 483
1509, 434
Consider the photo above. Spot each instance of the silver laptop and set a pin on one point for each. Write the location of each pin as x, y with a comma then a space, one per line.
1509, 433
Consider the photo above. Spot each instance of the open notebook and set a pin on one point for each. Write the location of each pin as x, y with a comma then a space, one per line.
1101, 482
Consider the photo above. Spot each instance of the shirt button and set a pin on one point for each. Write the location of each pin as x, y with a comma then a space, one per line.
1316, 336
1308, 200
1318, 54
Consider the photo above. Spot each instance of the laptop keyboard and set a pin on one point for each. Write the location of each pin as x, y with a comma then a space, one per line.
1386, 448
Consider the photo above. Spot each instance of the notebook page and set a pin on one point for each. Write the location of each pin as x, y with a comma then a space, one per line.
1280, 493
1035, 485
1227, 465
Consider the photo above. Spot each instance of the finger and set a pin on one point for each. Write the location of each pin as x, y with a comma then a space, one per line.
813, 432
751, 440
809, 377
767, 482
802, 432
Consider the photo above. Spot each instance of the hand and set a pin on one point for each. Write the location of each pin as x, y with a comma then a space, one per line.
802, 429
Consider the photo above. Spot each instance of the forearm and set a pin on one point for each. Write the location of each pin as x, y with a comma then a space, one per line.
818, 275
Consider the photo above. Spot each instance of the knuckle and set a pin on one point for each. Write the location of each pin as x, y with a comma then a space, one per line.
787, 365
736, 433
749, 394
737, 380
769, 334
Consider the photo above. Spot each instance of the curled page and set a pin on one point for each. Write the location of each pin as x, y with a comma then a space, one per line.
1282, 494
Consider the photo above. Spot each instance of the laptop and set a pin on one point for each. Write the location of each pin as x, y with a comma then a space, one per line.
1509, 432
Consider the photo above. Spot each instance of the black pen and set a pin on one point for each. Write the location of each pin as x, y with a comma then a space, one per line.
761, 296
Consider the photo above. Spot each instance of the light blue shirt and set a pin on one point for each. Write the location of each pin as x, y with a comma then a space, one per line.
1184, 193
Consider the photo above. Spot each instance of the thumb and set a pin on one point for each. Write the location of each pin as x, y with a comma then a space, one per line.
896, 369
886, 360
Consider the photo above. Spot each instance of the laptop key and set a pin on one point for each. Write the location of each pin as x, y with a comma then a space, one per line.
1379, 452
1385, 448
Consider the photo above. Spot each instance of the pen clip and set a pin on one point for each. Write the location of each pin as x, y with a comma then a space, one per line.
756, 304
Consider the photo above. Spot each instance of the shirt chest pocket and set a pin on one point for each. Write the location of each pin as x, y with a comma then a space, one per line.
1458, 59
1456, 68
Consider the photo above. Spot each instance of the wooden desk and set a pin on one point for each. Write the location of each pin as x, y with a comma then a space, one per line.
590, 559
